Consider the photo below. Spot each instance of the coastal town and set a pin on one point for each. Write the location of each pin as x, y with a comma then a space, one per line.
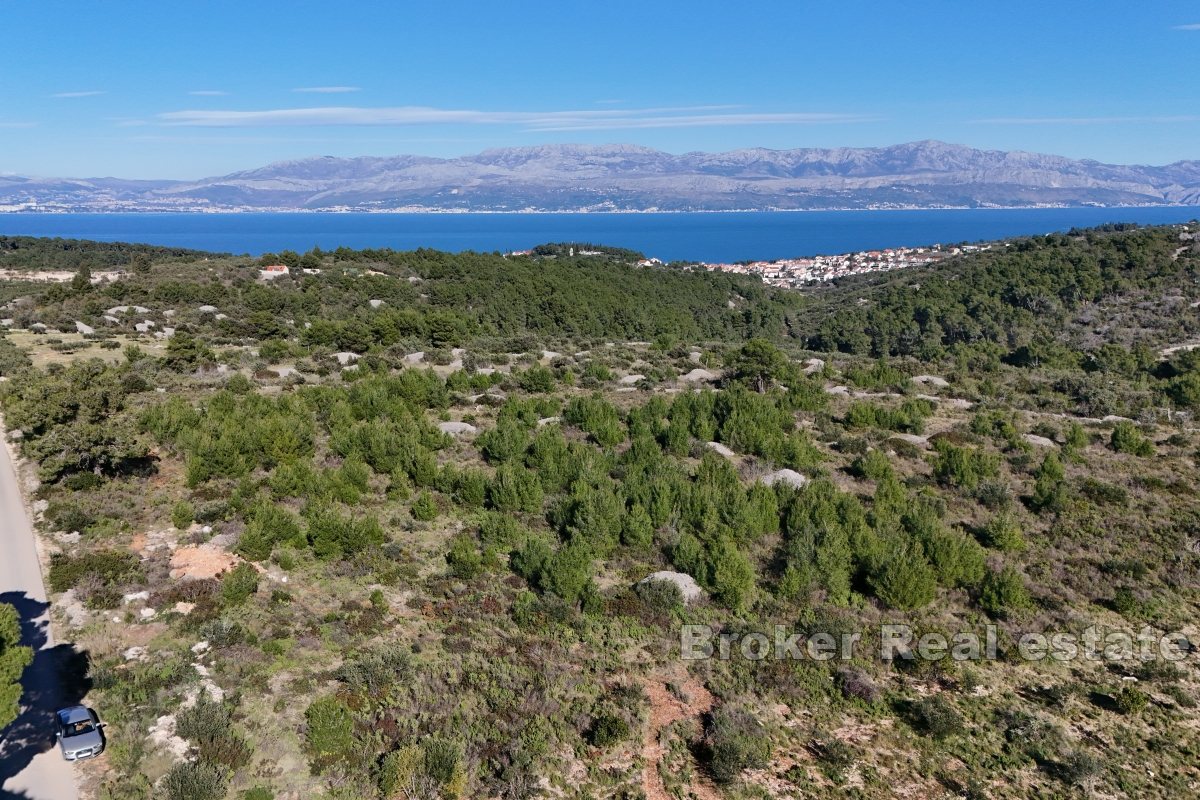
796, 272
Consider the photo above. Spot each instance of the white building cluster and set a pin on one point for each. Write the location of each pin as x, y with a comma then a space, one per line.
793, 272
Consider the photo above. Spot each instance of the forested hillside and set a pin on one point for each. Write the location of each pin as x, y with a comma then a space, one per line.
30, 252
379, 527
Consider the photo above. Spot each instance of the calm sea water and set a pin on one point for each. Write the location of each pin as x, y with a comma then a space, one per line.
698, 237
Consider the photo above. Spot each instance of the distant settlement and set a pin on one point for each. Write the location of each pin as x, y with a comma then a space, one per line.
795, 272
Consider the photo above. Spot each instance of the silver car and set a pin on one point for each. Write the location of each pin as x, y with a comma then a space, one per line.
78, 731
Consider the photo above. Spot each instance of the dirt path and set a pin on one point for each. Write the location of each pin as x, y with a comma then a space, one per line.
665, 709
30, 766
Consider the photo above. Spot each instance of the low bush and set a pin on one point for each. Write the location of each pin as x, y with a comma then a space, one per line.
608, 730
736, 742
1003, 532
373, 672
424, 508
464, 559
937, 717
329, 733
197, 780
107, 567
209, 726
660, 597
69, 517
238, 585
1126, 438
183, 515
1003, 593
1130, 700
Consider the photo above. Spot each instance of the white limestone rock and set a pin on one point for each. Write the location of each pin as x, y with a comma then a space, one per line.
688, 588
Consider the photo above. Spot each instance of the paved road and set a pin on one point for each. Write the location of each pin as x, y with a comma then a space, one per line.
30, 766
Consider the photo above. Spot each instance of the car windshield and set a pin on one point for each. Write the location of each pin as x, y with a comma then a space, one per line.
77, 728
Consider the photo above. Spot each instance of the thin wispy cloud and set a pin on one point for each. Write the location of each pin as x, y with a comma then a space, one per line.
215, 139
208, 93
1149, 120
706, 121
580, 120
327, 89
1191, 26
78, 94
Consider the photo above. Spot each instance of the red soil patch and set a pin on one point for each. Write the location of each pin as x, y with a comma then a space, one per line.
665, 709
202, 561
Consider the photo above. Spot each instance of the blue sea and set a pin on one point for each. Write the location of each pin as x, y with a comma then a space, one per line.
712, 237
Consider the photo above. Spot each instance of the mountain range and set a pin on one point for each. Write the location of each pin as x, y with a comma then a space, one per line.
566, 177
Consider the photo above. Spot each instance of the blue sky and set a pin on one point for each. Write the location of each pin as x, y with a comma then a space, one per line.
184, 89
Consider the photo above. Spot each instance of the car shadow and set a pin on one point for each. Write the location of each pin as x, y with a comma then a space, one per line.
58, 677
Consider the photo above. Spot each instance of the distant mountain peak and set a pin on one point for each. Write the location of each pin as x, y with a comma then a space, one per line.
631, 177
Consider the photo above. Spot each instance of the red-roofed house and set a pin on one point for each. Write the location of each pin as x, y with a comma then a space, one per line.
274, 270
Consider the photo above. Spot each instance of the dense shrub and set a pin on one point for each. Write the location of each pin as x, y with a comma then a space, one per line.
537, 379
1003, 593
373, 672
208, 726
501, 530
905, 580
736, 741
963, 467
873, 465
504, 442
332, 535
238, 585
1049, 489
660, 597
608, 730
182, 515
1126, 438
329, 732
424, 508
596, 417
14, 658
464, 559
731, 575
109, 568
269, 526
515, 488
12, 358
72, 419
1003, 532
936, 716
197, 780
1130, 700
433, 768
637, 529
909, 417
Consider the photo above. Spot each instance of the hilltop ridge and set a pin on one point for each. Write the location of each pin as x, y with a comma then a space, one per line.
626, 177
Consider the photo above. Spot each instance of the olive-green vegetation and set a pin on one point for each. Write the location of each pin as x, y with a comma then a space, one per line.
33, 253
443, 478
14, 658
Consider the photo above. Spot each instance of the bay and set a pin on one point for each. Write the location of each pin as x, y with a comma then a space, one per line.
713, 237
